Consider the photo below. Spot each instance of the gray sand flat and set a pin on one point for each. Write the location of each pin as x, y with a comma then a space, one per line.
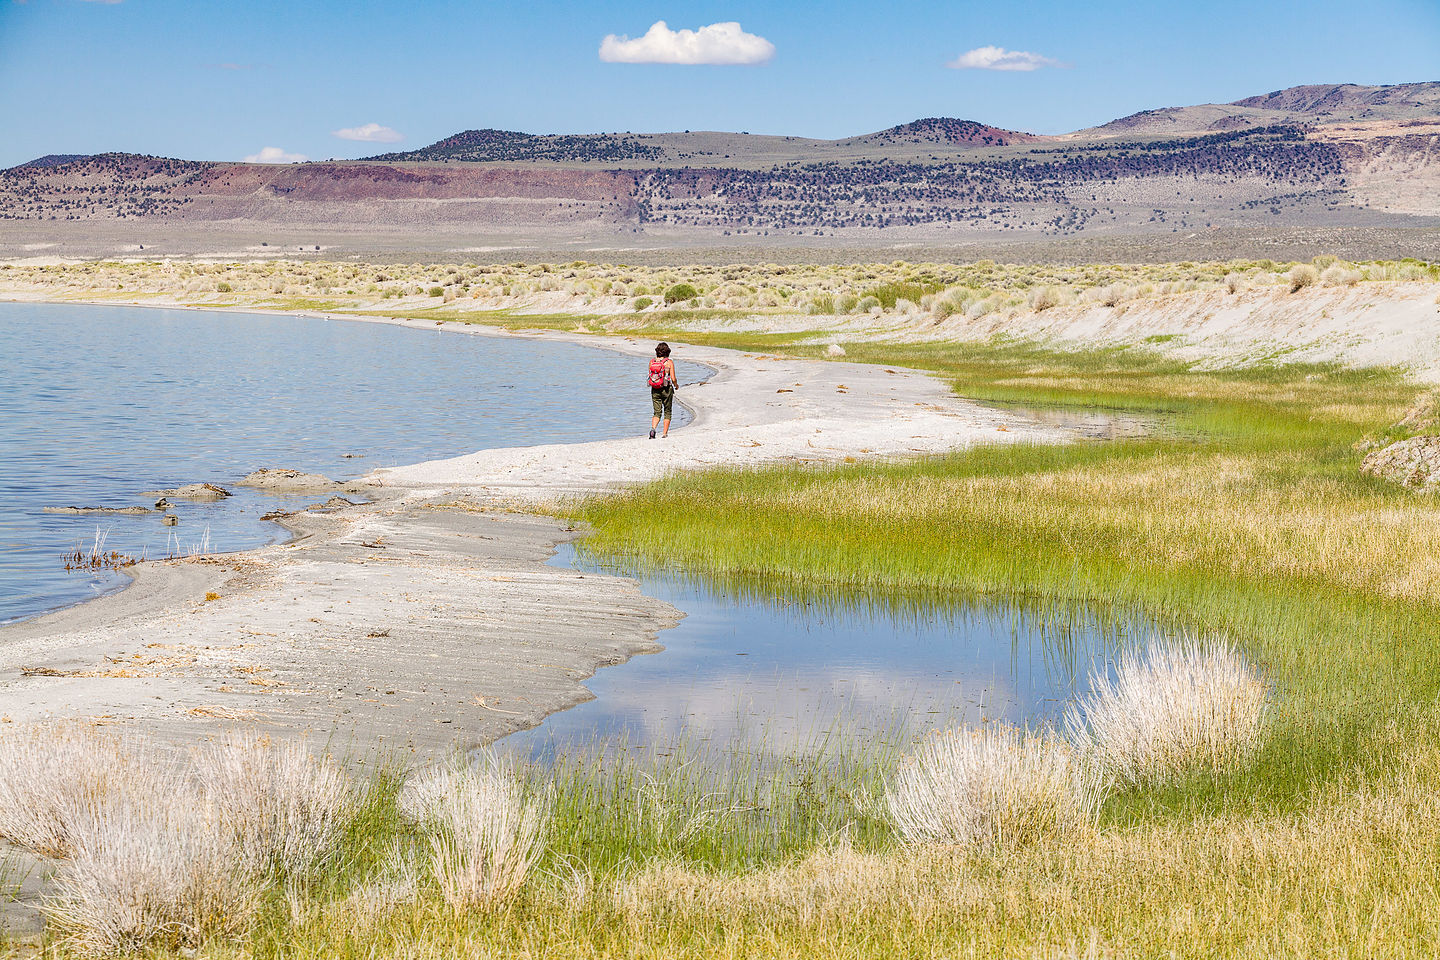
393, 627
428, 617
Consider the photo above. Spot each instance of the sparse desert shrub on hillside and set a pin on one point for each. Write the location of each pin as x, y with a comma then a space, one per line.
996, 786
1181, 708
868, 305
905, 306
1301, 276
437, 291
980, 308
224, 288
1234, 282
1043, 298
680, 293
821, 304
484, 834
846, 303
1340, 275
1111, 295
641, 303
888, 293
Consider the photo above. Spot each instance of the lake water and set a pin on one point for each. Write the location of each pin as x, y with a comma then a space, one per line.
101, 403
751, 672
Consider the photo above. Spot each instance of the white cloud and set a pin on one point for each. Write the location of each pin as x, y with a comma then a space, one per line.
369, 133
719, 43
998, 58
275, 155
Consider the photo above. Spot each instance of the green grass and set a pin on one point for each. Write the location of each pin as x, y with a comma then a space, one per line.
1245, 516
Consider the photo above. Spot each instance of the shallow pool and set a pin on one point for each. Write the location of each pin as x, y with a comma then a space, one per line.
767, 674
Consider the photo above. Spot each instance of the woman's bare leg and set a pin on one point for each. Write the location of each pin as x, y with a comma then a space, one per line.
666, 432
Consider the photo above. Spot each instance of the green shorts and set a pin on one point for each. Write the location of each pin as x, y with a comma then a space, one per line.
662, 399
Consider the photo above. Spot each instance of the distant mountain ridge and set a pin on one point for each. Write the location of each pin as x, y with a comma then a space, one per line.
55, 160
1319, 156
1310, 103
947, 130
502, 145
1328, 99
508, 146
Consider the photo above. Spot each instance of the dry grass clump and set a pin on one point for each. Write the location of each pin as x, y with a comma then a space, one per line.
153, 865
49, 775
283, 807
1423, 415
164, 854
484, 834
1340, 275
1180, 708
1043, 299
1302, 275
990, 787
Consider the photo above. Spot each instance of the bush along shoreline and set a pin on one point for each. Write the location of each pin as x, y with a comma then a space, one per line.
252, 841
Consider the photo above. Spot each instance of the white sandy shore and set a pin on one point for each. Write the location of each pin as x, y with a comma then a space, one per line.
755, 409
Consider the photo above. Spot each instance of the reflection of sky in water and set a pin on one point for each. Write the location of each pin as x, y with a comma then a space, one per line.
99, 403
782, 674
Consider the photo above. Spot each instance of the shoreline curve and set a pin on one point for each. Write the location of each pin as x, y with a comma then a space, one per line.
429, 617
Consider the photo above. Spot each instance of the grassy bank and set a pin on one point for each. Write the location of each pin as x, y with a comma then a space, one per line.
689, 853
1245, 515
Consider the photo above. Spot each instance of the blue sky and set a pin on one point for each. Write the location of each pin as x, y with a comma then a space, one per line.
204, 79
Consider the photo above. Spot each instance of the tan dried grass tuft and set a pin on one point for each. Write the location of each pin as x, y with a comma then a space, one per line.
152, 865
49, 774
484, 834
284, 807
1180, 708
990, 787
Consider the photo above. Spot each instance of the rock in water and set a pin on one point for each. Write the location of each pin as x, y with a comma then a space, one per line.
192, 491
283, 480
1414, 463
170, 520
114, 511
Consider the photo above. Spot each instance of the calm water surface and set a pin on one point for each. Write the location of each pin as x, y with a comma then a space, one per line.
754, 673
101, 403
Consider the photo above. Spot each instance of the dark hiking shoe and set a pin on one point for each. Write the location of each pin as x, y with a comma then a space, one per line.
652, 434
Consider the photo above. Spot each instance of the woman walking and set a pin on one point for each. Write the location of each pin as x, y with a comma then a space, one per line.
662, 388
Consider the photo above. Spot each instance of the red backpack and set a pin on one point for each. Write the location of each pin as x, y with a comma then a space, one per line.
658, 376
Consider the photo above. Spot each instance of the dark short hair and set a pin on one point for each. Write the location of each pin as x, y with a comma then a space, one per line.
662, 349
